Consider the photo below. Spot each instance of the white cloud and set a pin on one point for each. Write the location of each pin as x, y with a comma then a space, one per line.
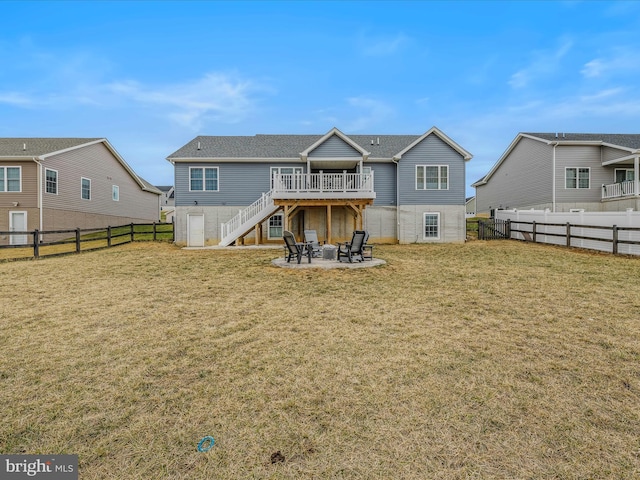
382, 46
16, 99
620, 61
369, 112
545, 63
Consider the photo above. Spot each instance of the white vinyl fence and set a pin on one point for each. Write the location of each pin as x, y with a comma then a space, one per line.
615, 232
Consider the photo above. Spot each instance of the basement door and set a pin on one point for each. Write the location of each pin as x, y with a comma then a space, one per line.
18, 223
195, 230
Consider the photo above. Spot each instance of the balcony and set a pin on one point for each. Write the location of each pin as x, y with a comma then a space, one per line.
323, 186
619, 190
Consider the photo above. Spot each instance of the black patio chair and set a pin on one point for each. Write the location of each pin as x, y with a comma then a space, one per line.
311, 238
353, 250
295, 249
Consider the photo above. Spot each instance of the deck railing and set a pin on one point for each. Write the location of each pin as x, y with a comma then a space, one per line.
616, 190
323, 182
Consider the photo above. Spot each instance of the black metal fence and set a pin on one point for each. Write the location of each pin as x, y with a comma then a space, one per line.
82, 239
494, 229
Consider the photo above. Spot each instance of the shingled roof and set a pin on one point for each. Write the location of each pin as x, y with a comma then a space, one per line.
630, 140
35, 147
283, 146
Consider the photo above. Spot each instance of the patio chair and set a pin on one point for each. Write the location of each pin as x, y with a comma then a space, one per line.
295, 249
353, 250
311, 239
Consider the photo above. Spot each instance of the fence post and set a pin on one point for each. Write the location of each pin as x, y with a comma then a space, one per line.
36, 245
132, 232
534, 231
568, 234
77, 240
615, 239
508, 232
154, 231
109, 236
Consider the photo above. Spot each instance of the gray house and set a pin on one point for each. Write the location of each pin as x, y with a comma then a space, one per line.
564, 172
400, 188
66, 183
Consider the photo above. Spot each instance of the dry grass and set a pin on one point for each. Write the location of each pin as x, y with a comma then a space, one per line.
483, 360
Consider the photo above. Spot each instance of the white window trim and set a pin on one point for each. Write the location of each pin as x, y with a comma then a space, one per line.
424, 219
81, 196
425, 177
6, 180
204, 179
45, 181
281, 215
115, 193
577, 169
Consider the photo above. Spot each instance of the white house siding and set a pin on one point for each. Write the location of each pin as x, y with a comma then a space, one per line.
97, 163
452, 223
523, 180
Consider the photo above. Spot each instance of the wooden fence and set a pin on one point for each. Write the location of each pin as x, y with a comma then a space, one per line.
83, 239
594, 237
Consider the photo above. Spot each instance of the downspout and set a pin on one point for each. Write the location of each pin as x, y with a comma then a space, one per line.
553, 183
40, 222
394, 160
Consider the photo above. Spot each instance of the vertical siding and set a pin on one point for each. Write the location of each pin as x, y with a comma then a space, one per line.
523, 180
581, 156
28, 196
432, 151
97, 163
334, 147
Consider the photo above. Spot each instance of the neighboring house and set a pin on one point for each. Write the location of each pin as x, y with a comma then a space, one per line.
400, 188
470, 205
564, 172
66, 183
167, 203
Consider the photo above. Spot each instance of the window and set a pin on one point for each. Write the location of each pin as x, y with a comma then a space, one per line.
624, 175
51, 181
432, 177
288, 182
203, 179
115, 193
10, 179
275, 226
86, 188
431, 226
576, 177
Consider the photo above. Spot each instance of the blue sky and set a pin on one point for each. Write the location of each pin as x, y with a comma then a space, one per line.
149, 76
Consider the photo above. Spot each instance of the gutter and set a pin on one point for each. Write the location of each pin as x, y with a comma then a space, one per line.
395, 160
35, 159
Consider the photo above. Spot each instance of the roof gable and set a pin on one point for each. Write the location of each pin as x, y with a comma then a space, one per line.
334, 132
434, 131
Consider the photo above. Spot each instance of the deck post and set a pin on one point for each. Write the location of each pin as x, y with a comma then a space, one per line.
329, 224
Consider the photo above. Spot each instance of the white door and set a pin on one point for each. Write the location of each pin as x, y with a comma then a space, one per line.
195, 230
18, 223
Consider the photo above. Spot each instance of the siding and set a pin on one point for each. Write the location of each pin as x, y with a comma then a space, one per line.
97, 163
523, 180
28, 197
609, 153
334, 147
581, 156
432, 151
384, 179
239, 184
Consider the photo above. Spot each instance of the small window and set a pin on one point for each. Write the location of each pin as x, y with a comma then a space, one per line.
51, 181
577, 177
10, 179
203, 179
275, 226
432, 177
86, 188
624, 175
431, 226
115, 193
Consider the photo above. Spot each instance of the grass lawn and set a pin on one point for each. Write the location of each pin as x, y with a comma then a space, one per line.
483, 360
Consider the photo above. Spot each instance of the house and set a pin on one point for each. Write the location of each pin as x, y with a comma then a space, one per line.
167, 203
470, 206
67, 183
564, 172
400, 188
